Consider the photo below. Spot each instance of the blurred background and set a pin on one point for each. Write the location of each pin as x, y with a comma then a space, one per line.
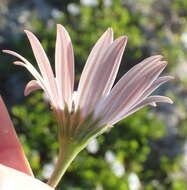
147, 150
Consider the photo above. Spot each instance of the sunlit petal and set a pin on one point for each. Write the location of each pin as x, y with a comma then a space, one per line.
25, 64
43, 64
158, 82
148, 101
93, 64
125, 94
32, 86
64, 66
101, 78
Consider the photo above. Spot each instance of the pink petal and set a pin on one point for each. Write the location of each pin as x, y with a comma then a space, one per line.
31, 86
39, 80
92, 65
44, 65
64, 65
11, 151
11, 179
139, 68
147, 101
158, 82
126, 92
136, 71
102, 78
25, 64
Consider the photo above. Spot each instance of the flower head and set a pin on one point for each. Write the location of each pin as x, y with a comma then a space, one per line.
96, 103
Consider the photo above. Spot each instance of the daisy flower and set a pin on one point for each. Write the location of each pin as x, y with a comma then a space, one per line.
97, 103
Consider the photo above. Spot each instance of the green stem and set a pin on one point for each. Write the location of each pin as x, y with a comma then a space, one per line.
68, 152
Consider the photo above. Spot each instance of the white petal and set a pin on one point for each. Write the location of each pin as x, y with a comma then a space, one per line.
11, 179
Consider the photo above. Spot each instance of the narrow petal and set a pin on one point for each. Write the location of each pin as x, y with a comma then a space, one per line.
148, 101
158, 82
25, 64
40, 81
32, 86
43, 64
93, 64
126, 93
11, 179
133, 73
11, 151
101, 79
64, 66
35, 74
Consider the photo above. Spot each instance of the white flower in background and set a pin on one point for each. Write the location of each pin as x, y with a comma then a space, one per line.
134, 182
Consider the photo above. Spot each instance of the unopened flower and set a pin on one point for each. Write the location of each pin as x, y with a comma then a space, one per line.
96, 104
15, 171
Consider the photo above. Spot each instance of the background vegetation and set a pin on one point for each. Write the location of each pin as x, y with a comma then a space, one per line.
145, 151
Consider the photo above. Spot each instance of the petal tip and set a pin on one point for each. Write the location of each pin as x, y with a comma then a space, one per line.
18, 63
110, 30
60, 28
28, 33
171, 77
170, 101
6, 51
123, 39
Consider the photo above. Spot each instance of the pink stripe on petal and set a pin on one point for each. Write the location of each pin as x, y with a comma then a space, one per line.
137, 71
158, 82
102, 78
11, 151
35, 73
114, 58
124, 95
148, 101
32, 86
11, 179
92, 65
64, 66
40, 81
44, 65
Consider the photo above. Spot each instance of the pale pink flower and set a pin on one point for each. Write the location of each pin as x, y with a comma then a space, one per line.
96, 98
15, 171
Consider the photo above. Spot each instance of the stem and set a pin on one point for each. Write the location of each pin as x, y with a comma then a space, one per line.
68, 151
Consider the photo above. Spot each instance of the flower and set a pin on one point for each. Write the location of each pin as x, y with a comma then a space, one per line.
97, 104
15, 171
95, 93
